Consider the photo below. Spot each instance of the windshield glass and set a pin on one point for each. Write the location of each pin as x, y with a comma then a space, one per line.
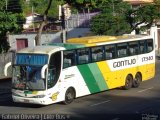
27, 72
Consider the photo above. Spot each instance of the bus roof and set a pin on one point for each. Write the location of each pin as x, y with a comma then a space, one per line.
91, 39
82, 42
100, 39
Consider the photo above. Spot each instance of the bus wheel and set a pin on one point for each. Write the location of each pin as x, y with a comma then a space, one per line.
69, 96
128, 83
137, 81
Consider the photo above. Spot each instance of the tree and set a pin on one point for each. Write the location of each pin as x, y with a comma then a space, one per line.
83, 4
49, 9
15, 7
9, 24
38, 6
112, 19
107, 24
44, 21
120, 14
142, 18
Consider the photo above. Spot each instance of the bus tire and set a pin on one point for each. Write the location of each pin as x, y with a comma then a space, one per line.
128, 82
137, 81
69, 96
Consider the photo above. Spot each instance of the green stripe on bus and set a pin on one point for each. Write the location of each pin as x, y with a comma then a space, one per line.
73, 46
68, 46
89, 78
98, 76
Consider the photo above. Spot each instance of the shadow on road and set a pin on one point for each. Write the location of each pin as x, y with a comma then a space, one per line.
118, 107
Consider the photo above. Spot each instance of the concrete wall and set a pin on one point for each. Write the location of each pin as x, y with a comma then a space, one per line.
47, 37
31, 39
4, 59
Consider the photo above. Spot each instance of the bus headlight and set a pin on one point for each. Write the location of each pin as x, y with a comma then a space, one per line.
14, 94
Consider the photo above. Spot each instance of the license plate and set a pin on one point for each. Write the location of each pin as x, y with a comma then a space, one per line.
26, 101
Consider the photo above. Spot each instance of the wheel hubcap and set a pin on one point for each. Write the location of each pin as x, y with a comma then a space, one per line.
69, 96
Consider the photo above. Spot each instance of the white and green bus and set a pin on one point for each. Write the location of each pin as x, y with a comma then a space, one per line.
59, 72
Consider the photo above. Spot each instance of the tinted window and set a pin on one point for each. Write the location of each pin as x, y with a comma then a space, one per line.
122, 50
133, 48
97, 54
110, 52
83, 55
149, 45
31, 59
69, 58
142, 48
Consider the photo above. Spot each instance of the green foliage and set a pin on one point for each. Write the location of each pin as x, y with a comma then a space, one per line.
82, 4
14, 6
39, 7
8, 23
9, 18
120, 14
112, 19
2, 3
107, 24
142, 18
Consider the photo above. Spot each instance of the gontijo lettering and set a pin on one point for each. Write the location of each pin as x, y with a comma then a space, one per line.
124, 63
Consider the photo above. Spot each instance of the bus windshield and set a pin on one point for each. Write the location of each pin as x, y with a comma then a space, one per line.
27, 71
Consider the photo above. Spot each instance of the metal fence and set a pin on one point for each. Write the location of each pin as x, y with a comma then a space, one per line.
80, 20
4, 59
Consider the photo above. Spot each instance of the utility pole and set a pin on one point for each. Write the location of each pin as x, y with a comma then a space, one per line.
113, 11
33, 18
63, 25
6, 4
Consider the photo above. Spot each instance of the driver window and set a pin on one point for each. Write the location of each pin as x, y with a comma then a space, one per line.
54, 69
51, 71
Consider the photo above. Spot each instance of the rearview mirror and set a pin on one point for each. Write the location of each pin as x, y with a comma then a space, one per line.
6, 68
43, 71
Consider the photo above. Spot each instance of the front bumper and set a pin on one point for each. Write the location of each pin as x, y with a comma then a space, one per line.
40, 101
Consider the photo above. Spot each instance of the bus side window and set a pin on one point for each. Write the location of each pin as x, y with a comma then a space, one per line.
122, 50
142, 47
133, 48
149, 45
83, 55
97, 54
69, 58
110, 51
